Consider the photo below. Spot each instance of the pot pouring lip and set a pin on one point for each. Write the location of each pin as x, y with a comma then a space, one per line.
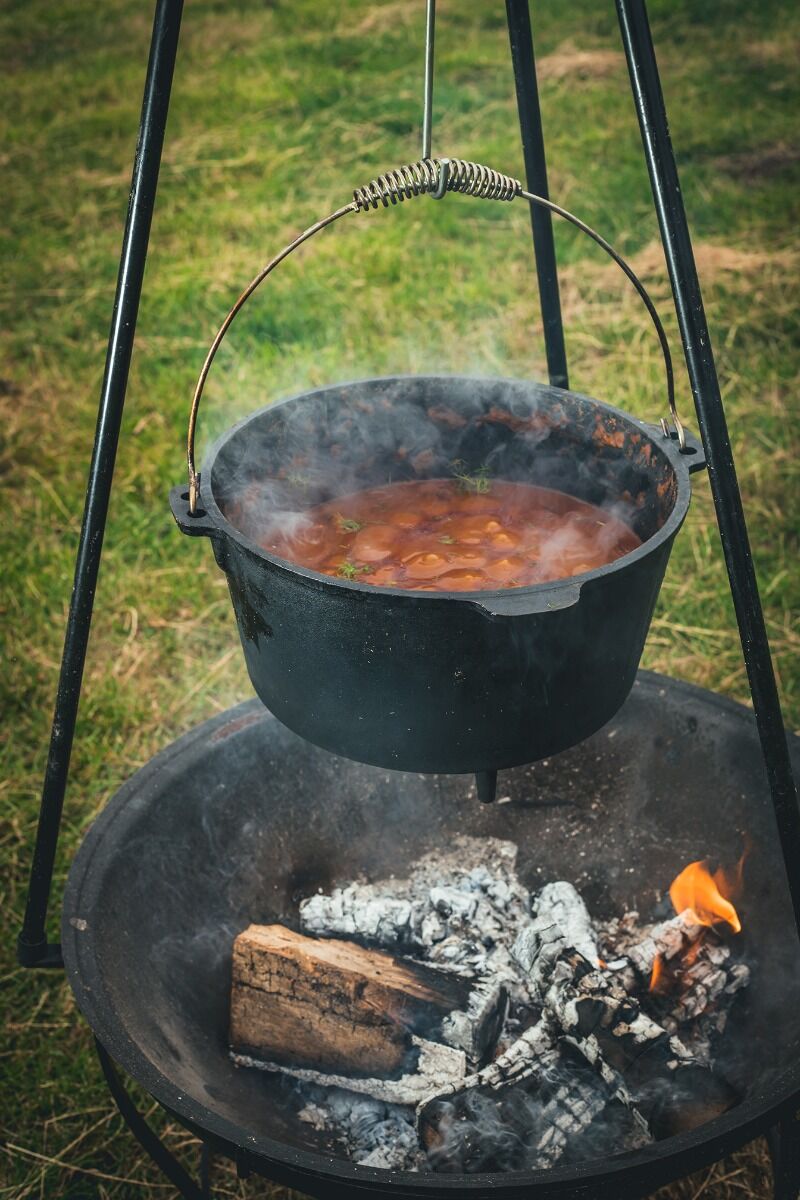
501, 602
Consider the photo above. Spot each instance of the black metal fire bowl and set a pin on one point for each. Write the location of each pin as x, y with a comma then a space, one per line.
240, 818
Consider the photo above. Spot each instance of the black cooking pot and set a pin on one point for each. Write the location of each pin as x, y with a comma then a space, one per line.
438, 681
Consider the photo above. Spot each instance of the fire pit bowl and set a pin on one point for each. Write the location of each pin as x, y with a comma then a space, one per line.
240, 819
440, 681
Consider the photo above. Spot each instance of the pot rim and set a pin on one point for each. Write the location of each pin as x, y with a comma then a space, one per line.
566, 590
756, 1112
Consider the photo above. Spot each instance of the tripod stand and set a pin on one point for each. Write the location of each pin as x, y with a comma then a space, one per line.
34, 949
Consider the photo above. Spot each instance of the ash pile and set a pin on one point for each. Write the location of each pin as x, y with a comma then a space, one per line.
454, 1021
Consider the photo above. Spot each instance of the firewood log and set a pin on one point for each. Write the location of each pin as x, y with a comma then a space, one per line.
337, 1007
698, 978
561, 921
671, 1088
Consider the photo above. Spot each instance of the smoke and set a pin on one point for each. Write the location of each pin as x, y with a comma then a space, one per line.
565, 1116
330, 444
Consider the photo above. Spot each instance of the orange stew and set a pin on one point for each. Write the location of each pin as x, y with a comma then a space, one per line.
454, 535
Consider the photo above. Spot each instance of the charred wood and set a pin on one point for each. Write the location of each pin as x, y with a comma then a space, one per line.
459, 909
560, 922
673, 1090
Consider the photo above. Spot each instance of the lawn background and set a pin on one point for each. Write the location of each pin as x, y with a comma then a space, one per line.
279, 109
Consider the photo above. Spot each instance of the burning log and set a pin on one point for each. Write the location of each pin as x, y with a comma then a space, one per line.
335, 1006
666, 941
710, 984
635, 950
697, 1001
672, 1090
686, 968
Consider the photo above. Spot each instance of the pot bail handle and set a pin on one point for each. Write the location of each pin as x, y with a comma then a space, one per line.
434, 177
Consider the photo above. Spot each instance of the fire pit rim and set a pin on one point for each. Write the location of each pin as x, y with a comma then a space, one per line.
707, 1143
214, 523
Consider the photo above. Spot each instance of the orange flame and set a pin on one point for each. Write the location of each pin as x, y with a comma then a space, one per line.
656, 973
707, 895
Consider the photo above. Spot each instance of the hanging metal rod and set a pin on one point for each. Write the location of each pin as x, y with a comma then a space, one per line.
427, 103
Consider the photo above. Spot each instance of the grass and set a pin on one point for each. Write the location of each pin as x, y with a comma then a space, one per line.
279, 110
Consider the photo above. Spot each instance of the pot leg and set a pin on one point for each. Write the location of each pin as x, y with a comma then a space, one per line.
486, 783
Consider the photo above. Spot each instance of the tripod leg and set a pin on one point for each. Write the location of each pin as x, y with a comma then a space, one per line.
664, 181
530, 121
32, 946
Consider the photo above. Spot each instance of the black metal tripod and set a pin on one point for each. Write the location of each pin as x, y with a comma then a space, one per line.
34, 950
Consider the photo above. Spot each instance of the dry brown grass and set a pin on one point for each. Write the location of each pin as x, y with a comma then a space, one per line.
761, 163
569, 62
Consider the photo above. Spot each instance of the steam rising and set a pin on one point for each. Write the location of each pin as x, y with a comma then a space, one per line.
336, 442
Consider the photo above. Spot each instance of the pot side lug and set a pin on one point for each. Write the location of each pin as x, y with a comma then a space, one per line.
526, 604
696, 458
693, 457
194, 525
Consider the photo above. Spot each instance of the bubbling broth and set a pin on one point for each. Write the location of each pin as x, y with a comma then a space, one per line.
450, 535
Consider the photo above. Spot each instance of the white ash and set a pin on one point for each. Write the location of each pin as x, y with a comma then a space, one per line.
437, 1066
561, 922
467, 910
461, 908
369, 1132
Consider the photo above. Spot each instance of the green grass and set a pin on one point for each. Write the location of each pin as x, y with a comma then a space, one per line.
279, 110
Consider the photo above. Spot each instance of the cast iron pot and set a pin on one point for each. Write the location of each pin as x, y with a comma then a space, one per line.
438, 681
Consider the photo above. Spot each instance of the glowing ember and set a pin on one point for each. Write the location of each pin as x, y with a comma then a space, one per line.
707, 895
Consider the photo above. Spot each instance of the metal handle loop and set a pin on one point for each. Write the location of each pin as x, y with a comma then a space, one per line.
428, 177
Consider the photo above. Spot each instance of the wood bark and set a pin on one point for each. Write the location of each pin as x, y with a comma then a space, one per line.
338, 1007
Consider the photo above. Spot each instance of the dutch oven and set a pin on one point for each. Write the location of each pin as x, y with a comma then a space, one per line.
437, 681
